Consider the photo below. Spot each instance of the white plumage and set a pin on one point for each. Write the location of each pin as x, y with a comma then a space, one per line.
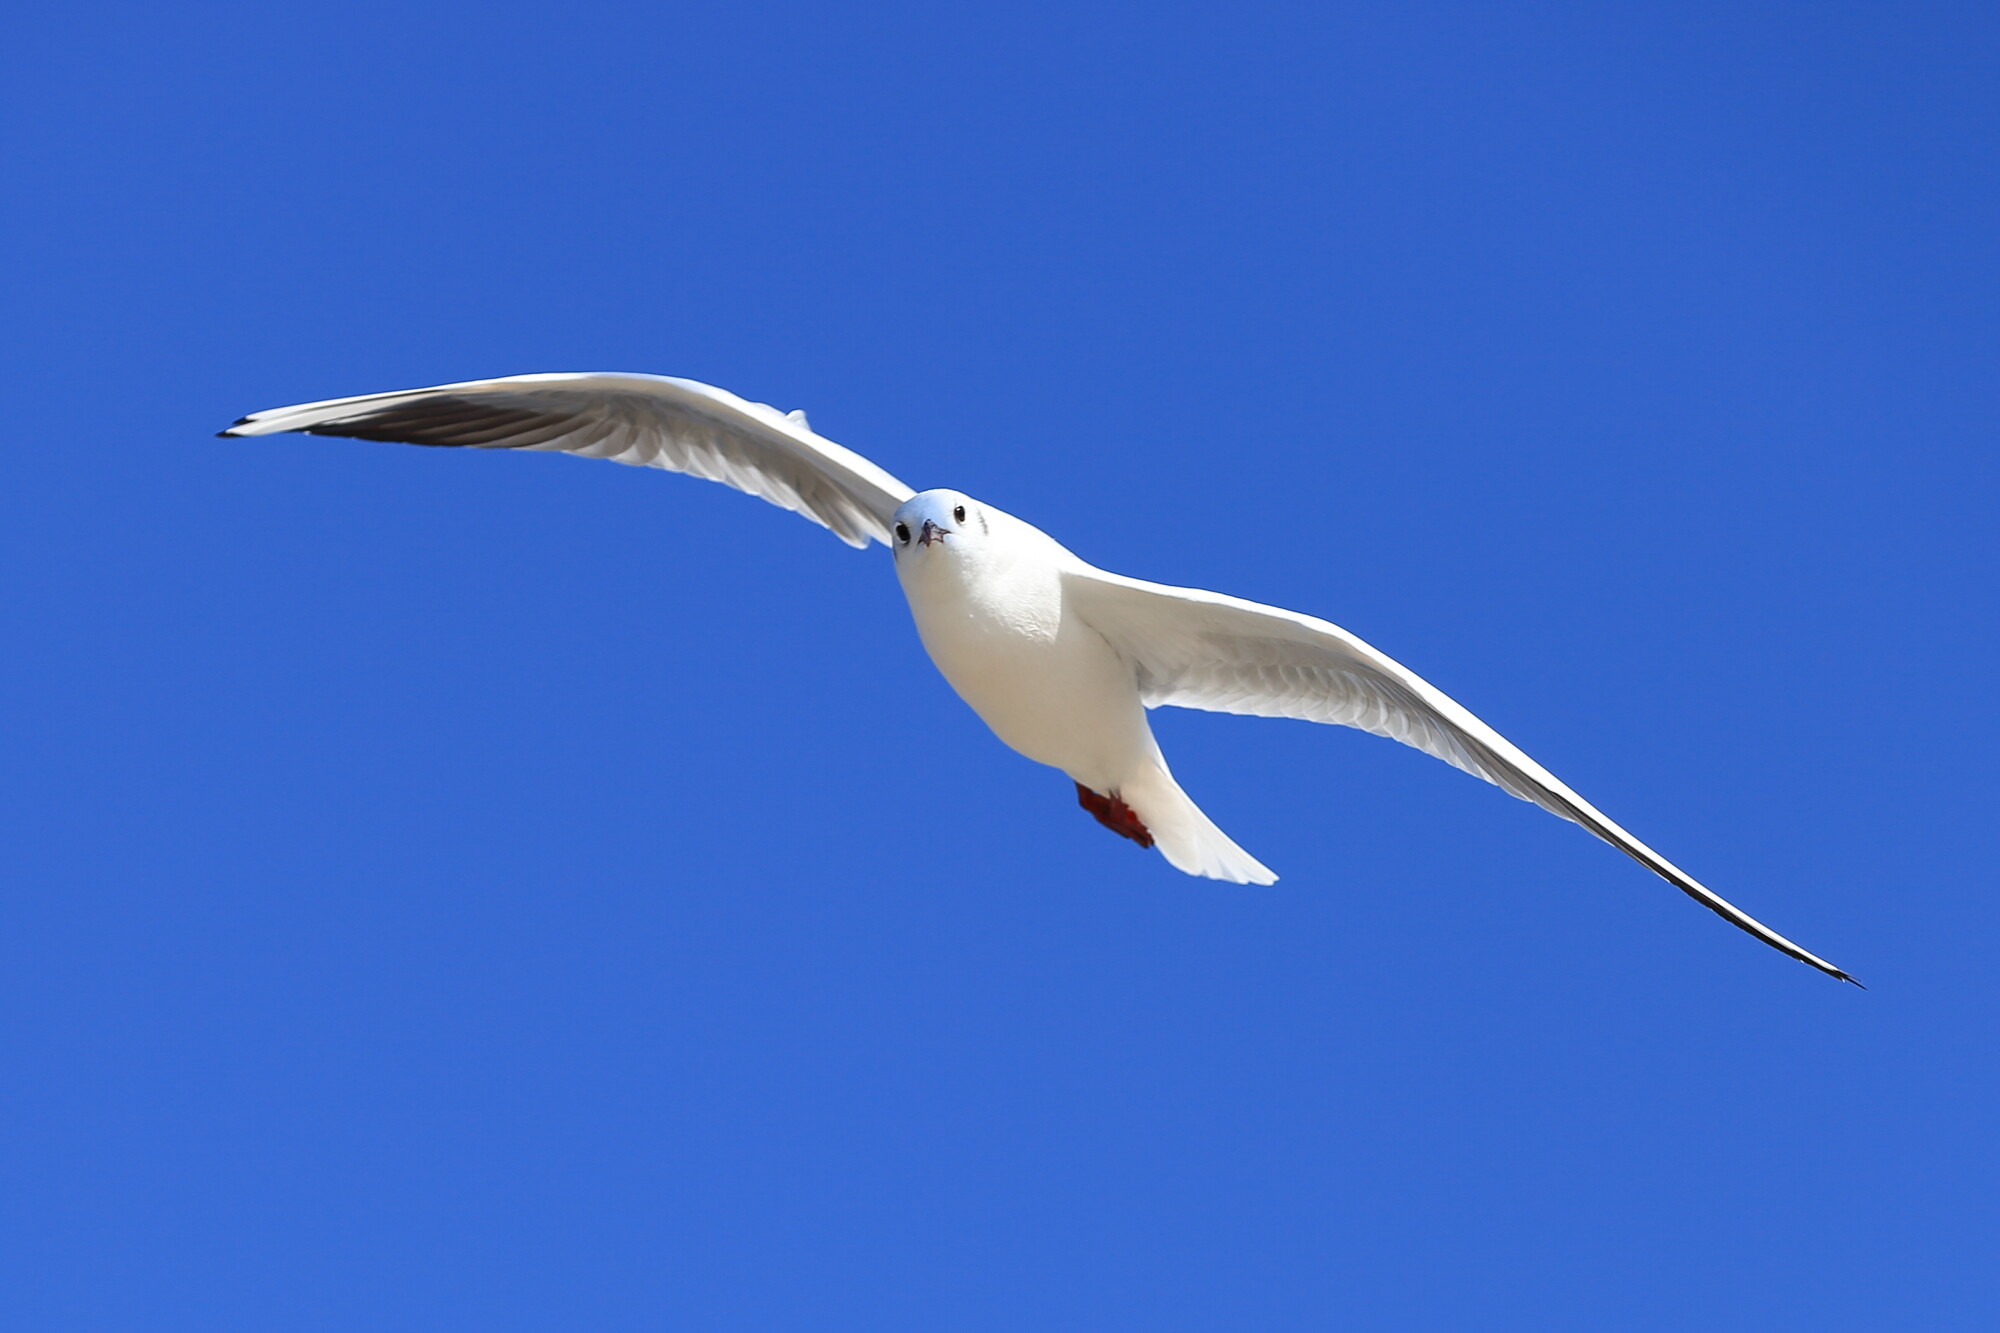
1058, 657
644, 420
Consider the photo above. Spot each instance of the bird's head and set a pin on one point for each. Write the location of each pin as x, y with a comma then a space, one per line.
937, 523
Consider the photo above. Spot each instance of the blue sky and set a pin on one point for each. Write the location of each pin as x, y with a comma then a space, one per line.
499, 892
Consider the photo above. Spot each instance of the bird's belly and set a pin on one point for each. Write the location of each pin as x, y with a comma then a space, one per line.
1058, 694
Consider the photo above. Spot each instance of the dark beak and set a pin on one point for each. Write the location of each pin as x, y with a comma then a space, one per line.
932, 533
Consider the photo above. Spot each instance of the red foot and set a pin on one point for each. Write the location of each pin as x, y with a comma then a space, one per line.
1114, 814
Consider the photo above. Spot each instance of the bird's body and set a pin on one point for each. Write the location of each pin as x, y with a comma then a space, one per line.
1060, 658
987, 592
992, 617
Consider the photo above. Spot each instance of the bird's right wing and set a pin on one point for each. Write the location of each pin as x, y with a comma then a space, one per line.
646, 420
1197, 649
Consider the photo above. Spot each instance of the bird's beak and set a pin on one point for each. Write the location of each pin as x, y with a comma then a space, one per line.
932, 533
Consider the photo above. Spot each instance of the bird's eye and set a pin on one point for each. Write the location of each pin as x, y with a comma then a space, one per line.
903, 532
958, 513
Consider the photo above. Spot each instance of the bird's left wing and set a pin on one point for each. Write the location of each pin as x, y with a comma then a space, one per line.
1196, 649
646, 420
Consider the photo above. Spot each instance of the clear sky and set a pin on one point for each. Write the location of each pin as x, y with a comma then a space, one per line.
446, 890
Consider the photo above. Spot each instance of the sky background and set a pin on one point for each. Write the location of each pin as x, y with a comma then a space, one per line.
460, 891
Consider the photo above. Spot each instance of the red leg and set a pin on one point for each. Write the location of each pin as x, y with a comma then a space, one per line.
1114, 814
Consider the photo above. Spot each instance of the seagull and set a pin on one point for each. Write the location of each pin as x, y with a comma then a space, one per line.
1059, 658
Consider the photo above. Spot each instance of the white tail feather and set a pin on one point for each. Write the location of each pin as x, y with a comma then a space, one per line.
1188, 838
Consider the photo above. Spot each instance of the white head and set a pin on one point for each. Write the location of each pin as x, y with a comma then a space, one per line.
933, 525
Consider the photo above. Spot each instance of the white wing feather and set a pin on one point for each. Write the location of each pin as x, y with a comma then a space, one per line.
645, 420
1196, 649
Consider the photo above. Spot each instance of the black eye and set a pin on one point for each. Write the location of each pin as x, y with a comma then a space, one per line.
959, 513
902, 532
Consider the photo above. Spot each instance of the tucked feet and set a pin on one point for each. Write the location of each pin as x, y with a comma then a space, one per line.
1114, 814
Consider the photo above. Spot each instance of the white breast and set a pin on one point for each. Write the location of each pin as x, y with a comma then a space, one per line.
993, 620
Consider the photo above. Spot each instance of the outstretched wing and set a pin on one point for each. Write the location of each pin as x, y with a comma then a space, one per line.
645, 420
1196, 649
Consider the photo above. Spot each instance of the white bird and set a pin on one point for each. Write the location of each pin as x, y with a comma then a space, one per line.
1058, 657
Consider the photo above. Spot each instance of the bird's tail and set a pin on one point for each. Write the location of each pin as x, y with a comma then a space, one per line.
1188, 838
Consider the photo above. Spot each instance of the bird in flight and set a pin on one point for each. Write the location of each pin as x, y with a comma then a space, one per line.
1061, 659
